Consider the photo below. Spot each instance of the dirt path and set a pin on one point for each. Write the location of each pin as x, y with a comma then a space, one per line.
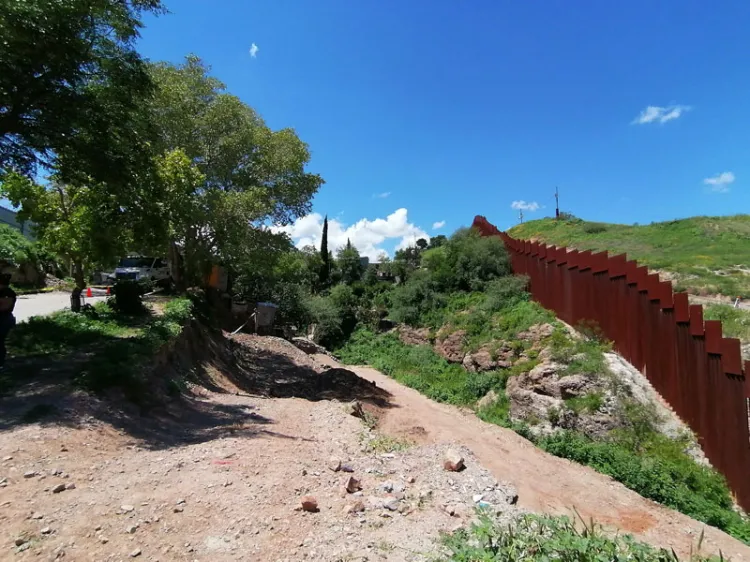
546, 483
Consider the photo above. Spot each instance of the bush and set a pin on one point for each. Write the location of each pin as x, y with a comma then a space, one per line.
535, 538
662, 472
594, 227
467, 261
413, 301
326, 316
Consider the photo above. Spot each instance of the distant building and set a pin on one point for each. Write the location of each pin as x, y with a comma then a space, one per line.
364, 261
11, 219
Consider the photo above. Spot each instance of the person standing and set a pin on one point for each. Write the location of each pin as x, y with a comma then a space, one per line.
7, 320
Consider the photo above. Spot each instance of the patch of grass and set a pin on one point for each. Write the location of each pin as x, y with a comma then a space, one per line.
581, 356
660, 471
588, 403
735, 321
114, 348
702, 252
541, 538
388, 444
418, 367
65, 332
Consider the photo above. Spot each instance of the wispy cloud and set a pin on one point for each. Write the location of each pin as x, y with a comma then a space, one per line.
382, 195
656, 114
254, 50
438, 225
720, 182
524, 206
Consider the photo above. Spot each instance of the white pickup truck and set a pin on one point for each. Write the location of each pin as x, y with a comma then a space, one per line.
140, 268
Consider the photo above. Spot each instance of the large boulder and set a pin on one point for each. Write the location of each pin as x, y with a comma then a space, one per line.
485, 359
451, 345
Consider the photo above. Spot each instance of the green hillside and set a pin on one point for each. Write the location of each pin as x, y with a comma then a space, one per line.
705, 255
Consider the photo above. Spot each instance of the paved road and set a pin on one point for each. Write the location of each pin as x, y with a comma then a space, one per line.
44, 303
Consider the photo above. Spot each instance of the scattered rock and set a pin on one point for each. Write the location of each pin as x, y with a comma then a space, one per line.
70, 486
309, 503
36, 515
391, 504
126, 508
353, 485
356, 507
334, 464
56, 472
20, 540
130, 529
59, 488
178, 509
180, 501
46, 531
136, 553
453, 461
487, 400
537, 333
30, 474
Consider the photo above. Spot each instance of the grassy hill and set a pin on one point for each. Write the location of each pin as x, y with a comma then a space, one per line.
703, 255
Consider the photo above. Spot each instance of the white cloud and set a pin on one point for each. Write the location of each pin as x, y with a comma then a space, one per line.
655, 113
366, 235
438, 225
382, 195
254, 50
720, 182
524, 206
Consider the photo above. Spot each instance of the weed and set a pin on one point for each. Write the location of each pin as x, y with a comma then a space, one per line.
535, 538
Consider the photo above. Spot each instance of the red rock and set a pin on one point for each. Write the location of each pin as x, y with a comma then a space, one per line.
309, 503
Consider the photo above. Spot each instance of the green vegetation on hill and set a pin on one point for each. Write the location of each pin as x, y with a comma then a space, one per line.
707, 255
491, 308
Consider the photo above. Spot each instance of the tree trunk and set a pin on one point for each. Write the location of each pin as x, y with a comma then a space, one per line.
78, 276
175, 267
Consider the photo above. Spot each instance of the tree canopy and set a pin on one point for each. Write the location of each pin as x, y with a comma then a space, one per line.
71, 83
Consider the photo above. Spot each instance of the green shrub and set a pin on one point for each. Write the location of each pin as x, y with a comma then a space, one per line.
662, 472
127, 297
535, 538
588, 403
594, 227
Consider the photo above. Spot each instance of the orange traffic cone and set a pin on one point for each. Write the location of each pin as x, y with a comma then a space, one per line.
89, 294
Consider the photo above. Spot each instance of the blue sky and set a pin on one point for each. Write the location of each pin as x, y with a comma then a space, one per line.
423, 112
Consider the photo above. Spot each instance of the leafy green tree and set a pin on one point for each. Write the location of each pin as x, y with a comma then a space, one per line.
69, 221
467, 261
349, 264
70, 82
421, 244
437, 241
232, 172
325, 257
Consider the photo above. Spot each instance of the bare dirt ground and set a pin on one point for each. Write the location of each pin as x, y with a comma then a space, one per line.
219, 475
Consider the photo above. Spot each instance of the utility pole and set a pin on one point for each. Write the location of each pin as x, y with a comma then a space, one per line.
557, 204
520, 215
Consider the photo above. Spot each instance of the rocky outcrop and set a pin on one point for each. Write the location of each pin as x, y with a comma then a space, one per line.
537, 333
487, 359
413, 336
539, 398
451, 345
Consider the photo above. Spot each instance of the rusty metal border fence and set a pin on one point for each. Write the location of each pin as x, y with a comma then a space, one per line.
687, 360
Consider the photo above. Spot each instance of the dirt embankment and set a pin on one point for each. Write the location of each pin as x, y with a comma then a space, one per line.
218, 474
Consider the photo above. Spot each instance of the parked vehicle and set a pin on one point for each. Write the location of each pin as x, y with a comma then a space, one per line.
140, 268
